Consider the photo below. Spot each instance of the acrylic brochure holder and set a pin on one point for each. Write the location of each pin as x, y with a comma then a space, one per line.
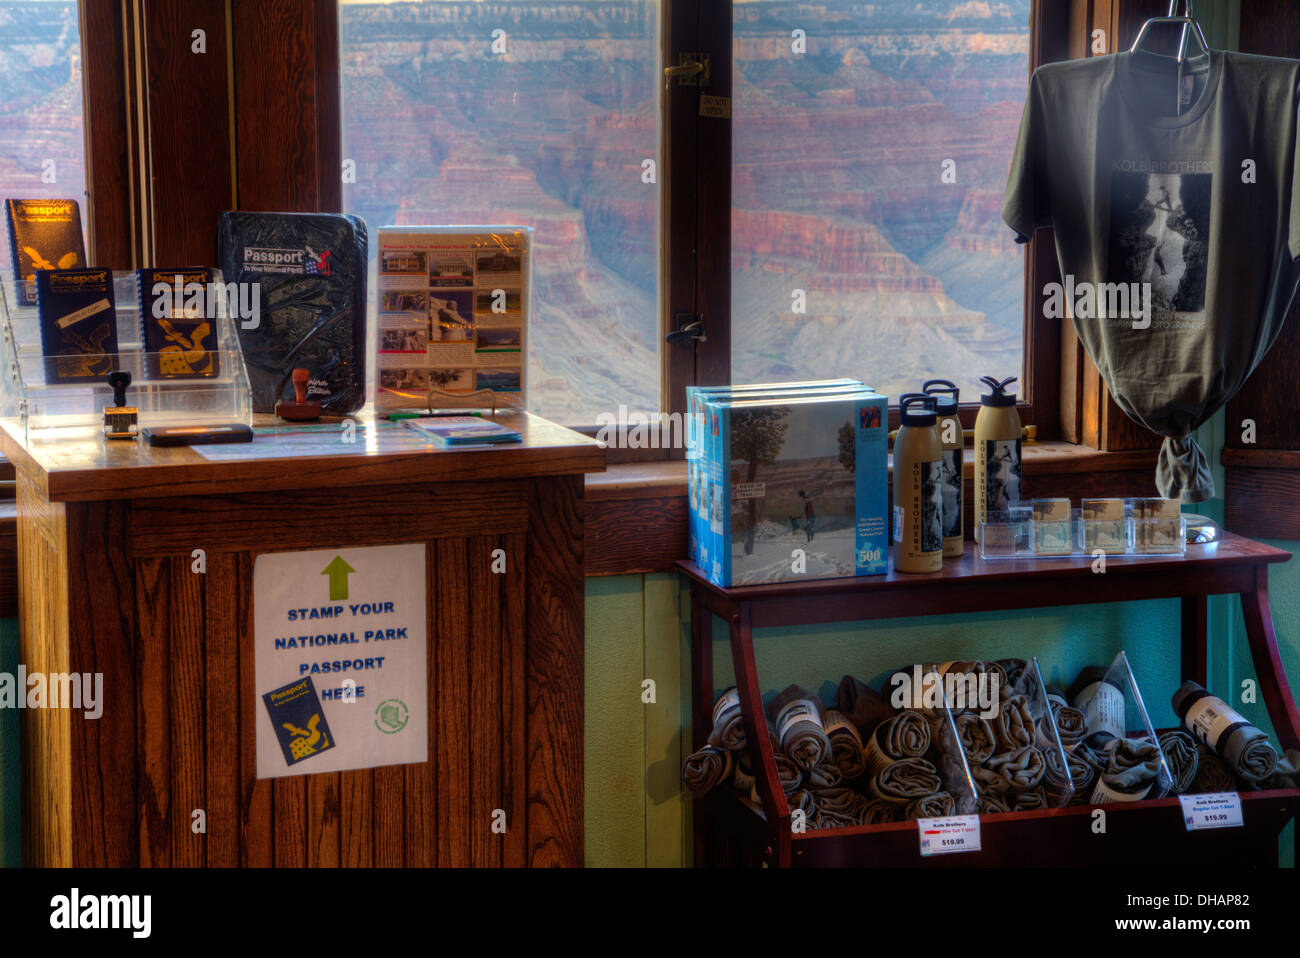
1137, 728
954, 770
989, 790
44, 409
1014, 534
1058, 782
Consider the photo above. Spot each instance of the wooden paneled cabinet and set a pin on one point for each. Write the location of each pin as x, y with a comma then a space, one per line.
107, 538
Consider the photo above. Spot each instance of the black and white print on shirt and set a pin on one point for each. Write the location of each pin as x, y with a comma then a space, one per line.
1159, 234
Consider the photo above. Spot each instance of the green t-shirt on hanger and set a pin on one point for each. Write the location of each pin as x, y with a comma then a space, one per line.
1173, 197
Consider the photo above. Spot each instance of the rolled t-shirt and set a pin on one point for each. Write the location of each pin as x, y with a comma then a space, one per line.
1173, 198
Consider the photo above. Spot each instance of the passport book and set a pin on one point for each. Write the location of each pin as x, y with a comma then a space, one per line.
78, 324
178, 333
43, 234
298, 720
311, 274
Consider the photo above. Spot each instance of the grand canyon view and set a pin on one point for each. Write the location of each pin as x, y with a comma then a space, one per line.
838, 189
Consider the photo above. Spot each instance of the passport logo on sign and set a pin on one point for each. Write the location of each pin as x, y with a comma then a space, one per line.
298, 720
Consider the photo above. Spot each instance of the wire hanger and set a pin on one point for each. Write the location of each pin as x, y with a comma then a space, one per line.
1187, 20
1189, 24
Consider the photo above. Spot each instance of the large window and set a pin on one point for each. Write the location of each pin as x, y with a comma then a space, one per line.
42, 147
541, 113
871, 146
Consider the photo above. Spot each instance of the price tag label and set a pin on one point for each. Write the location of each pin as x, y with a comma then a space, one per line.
944, 836
1211, 810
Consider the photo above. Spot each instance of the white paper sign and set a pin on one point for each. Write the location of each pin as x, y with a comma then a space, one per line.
944, 836
1211, 810
340, 656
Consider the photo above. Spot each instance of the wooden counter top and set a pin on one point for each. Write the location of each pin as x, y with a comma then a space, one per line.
85, 467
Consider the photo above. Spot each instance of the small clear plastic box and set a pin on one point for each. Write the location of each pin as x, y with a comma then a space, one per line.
1013, 533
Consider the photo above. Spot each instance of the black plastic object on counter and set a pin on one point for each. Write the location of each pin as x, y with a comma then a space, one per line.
311, 270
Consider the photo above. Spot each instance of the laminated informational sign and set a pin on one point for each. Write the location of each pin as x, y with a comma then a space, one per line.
341, 659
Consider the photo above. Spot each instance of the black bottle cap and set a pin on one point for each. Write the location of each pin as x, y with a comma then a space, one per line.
997, 395
925, 416
945, 395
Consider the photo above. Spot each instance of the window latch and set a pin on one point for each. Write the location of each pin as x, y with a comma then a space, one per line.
692, 70
690, 328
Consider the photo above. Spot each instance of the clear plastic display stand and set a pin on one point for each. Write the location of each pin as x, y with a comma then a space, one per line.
954, 771
1137, 728
43, 410
1058, 781
1028, 693
1013, 534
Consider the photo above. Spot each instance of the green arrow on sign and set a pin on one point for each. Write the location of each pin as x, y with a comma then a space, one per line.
338, 571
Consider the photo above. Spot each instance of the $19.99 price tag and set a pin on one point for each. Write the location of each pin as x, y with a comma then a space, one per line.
1211, 810
944, 836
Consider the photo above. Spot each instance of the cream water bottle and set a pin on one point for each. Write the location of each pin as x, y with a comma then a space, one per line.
918, 487
997, 450
946, 394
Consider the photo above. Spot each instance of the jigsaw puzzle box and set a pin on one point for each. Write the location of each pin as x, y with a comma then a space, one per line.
794, 486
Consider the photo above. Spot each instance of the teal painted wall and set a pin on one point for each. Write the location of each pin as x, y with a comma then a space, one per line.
615, 790
636, 813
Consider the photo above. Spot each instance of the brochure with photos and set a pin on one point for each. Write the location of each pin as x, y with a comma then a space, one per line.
453, 310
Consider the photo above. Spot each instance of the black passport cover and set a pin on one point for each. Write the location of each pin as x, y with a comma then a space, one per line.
43, 234
311, 268
180, 345
78, 324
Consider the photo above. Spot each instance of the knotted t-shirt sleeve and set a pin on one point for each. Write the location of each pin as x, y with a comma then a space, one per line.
1025, 205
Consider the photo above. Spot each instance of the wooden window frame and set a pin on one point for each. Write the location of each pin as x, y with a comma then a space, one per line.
150, 177
166, 147
703, 211
1262, 497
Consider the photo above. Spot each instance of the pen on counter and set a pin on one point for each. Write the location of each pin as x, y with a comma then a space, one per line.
398, 416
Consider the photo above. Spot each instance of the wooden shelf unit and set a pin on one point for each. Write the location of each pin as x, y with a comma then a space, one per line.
729, 832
